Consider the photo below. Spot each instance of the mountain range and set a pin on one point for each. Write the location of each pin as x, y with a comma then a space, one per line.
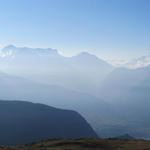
113, 100
83, 72
135, 63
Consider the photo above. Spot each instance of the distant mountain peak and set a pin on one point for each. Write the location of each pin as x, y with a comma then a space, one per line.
86, 54
90, 59
10, 46
125, 136
140, 62
25, 50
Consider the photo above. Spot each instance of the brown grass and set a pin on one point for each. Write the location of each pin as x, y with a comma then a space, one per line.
84, 144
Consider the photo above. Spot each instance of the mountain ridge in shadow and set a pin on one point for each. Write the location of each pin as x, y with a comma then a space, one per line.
23, 122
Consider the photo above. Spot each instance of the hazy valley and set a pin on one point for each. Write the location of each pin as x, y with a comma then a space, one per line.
113, 100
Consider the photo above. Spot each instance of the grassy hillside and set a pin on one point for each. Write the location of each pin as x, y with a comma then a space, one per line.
84, 144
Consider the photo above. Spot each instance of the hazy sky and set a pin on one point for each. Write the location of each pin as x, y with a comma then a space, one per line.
109, 28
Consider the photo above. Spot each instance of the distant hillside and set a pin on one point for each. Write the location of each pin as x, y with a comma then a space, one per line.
84, 144
129, 95
121, 81
22, 122
93, 109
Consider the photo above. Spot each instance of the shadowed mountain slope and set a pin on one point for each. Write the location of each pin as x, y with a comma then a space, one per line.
93, 109
22, 122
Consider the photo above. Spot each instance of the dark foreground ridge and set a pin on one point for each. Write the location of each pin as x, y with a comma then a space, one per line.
85, 144
23, 122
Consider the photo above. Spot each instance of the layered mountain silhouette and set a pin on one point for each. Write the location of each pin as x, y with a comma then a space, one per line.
121, 81
93, 109
83, 72
23, 122
129, 95
113, 100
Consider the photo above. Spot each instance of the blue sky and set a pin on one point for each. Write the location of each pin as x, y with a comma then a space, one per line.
111, 29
